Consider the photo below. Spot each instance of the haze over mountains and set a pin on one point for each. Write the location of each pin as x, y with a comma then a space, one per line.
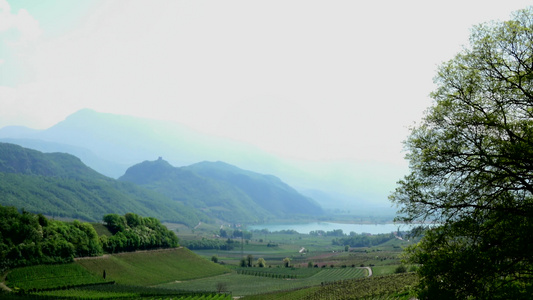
223, 191
111, 143
59, 184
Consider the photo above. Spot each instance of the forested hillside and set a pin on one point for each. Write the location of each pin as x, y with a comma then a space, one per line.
267, 191
58, 184
223, 191
30, 239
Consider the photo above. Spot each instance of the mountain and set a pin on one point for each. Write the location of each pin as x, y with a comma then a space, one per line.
125, 140
267, 191
223, 191
59, 184
110, 143
103, 166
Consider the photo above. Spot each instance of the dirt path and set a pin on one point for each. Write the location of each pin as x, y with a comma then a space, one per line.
3, 285
369, 271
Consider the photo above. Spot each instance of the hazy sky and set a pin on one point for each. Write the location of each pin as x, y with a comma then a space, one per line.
305, 79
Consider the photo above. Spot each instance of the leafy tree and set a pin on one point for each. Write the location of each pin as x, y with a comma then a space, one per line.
214, 259
286, 262
261, 263
400, 269
221, 287
133, 232
471, 170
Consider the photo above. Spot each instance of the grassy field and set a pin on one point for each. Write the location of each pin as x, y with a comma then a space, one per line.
240, 285
172, 273
389, 287
153, 267
50, 276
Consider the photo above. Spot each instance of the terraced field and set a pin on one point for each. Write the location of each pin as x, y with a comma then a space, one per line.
241, 285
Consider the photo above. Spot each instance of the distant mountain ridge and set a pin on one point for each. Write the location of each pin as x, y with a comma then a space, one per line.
59, 184
223, 191
110, 143
267, 191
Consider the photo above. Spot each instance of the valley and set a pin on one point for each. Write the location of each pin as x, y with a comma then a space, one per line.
180, 273
218, 212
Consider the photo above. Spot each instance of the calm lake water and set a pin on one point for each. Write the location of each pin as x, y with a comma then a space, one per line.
327, 226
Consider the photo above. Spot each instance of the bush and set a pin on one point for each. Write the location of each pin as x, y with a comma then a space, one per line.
400, 269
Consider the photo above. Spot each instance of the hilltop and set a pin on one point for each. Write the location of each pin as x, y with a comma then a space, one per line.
60, 185
111, 143
223, 191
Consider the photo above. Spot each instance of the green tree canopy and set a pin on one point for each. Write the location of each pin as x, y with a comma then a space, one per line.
471, 169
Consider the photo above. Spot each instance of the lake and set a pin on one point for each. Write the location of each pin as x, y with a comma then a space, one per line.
328, 226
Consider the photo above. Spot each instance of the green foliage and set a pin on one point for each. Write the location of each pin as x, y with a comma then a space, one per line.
61, 185
400, 269
28, 239
261, 262
50, 277
472, 172
133, 232
367, 288
363, 240
263, 281
286, 262
223, 191
149, 268
131, 292
204, 244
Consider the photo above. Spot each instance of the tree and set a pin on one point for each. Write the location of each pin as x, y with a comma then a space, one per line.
221, 287
261, 262
286, 262
243, 262
471, 170
249, 260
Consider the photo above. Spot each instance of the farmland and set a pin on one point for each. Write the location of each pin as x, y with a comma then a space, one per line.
152, 267
50, 277
289, 273
240, 284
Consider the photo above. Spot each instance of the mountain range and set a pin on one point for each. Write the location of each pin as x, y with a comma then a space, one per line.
59, 184
111, 143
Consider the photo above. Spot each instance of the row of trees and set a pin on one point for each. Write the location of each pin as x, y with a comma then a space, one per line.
205, 244
29, 239
363, 240
227, 233
132, 232
334, 232
248, 260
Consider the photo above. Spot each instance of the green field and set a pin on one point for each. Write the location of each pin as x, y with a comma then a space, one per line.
50, 276
240, 285
183, 274
152, 267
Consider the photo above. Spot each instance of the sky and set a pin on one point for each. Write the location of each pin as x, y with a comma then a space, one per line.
310, 80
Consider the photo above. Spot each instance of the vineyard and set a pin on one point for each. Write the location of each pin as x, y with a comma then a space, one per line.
131, 292
282, 273
50, 277
268, 281
383, 287
153, 267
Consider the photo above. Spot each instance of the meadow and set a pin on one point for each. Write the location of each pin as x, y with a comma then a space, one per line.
265, 282
146, 268
320, 270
